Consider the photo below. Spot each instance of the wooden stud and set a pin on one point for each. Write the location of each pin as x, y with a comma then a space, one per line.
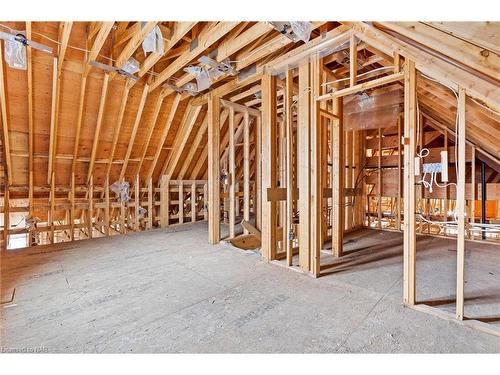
193, 202
348, 136
269, 214
205, 202
246, 168
303, 165
288, 223
398, 214
52, 208
473, 192
150, 204
316, 197
232, 175
258, 173
409, 226
164, 201
446, 190
137, 202
213, 170
337, 183
379, 180
6, 216
460, 206
106, 206
123, 212
90, 215
72, 209
282, 182
181, 202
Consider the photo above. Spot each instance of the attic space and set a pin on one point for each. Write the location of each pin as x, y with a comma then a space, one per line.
250, 187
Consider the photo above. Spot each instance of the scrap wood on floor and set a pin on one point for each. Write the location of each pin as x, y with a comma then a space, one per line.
249, 241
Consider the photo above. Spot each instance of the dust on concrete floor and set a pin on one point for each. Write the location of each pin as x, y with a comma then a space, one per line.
169, 291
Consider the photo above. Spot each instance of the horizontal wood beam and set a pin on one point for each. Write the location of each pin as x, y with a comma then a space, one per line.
362, 86
240, 108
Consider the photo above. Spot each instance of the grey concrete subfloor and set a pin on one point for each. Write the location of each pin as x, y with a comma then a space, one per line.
169, 291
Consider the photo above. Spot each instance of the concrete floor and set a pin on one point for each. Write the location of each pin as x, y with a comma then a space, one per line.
169, 291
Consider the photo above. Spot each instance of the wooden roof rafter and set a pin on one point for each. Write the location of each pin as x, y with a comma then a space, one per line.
164, 134
152, 123
64, 34
137, 121
182, 137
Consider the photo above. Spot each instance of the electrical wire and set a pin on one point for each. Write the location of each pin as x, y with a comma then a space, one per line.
305, 91
154, 74
420, 154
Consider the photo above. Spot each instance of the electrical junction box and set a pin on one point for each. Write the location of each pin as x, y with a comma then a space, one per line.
417, 166
444, 166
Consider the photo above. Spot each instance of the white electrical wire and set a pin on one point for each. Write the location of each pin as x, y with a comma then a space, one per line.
456, 117
305, 91
428, 185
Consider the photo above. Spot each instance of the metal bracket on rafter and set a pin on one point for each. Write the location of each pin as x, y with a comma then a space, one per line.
189, 88
223, 66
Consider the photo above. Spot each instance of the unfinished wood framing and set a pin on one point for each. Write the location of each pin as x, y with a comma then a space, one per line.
268, 169
299, 145
409, 226
213, 170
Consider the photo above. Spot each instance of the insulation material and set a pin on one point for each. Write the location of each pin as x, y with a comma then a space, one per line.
368, 111
121, 189
142, 212
191, 88
15, 54
30, 222
302, 30
215, 74
153, 41
202, 77
131, 66
327, 51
